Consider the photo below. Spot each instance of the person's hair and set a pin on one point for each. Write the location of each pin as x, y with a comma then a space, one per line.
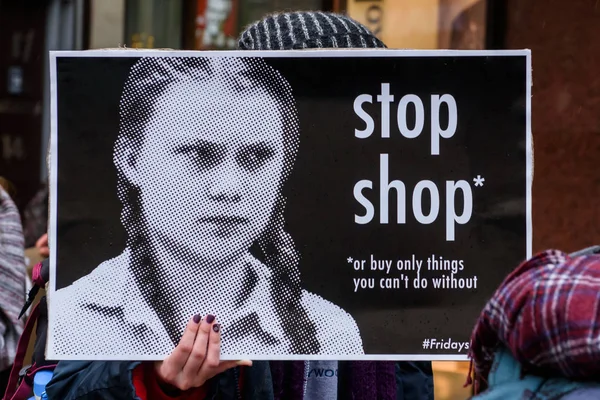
148, 79
8, 187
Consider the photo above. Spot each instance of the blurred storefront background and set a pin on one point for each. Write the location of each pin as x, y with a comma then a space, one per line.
566, 92
215, 24
29, 29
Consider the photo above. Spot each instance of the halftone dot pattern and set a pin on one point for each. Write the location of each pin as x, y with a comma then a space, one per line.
205, 146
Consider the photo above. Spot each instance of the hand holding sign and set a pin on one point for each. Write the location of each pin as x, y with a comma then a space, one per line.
196, 358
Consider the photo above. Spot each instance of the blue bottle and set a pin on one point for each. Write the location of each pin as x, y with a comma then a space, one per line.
40, 380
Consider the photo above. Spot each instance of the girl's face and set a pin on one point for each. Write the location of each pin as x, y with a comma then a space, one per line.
210, 168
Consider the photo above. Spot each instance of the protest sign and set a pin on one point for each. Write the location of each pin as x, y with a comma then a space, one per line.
348, 204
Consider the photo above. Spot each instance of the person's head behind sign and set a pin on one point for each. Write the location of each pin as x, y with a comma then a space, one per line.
307, 30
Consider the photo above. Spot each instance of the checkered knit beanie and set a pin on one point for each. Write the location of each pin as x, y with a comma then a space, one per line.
307, 30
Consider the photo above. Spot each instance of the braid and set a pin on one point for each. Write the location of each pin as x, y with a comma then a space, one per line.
283, 259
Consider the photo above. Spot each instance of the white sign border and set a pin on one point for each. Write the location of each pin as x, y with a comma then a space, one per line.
308, 53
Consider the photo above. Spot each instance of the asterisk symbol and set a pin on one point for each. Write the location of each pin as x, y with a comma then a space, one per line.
350, 260
478, 180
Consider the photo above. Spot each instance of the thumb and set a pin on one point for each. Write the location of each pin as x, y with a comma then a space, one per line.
225, 365
244, 363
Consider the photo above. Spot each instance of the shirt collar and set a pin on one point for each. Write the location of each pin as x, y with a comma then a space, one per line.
138, 313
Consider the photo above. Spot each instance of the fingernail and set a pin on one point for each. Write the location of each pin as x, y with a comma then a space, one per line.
197, 318
210, 318
216, 328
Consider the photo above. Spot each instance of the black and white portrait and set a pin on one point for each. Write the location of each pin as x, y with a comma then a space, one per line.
204, 148
342, 205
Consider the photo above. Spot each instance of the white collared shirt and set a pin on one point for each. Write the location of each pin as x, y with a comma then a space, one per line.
105, 316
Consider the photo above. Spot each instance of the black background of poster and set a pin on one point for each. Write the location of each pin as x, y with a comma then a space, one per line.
490, 141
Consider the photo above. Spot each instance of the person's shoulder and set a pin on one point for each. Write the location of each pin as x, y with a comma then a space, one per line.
100, 284
337, 330
107, 270
85, 306
317, 305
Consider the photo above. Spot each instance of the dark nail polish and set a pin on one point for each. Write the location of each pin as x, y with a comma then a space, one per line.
197, 318
216, 328
210, 318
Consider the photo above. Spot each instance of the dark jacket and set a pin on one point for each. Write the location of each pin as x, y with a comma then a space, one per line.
111, 380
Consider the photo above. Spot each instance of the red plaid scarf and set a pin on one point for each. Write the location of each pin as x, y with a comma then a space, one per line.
547, 313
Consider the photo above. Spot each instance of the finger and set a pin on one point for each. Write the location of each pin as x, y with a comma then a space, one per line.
243, 363
177, 359
42, 241
213, 355
199, 350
